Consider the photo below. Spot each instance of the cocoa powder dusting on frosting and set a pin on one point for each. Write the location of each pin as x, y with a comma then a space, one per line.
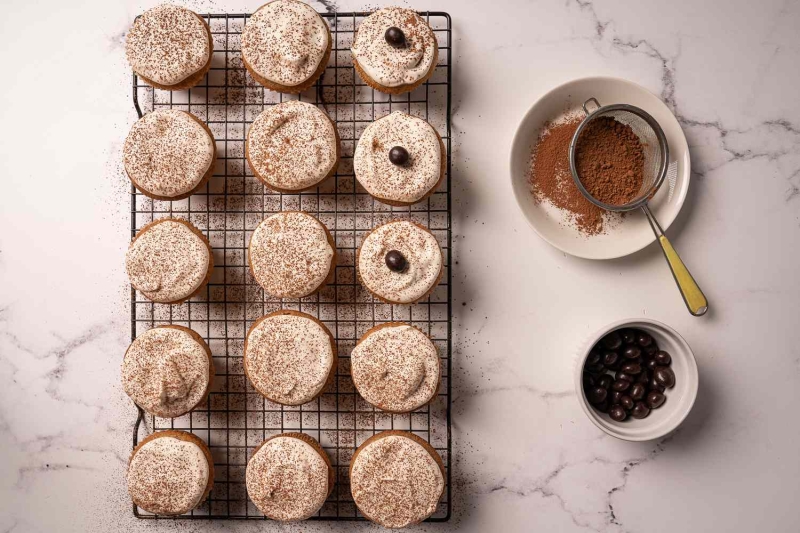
395, 368
168, 476
284, 42
292, 145
167, 153
287, 479
395, 481
167, 44
288, 358
166, 372
290, 255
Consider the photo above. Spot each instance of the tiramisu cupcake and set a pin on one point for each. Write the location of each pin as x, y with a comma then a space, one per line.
289, 357
167, 371
292, 146
286, 46
400, 262
399, 159
394, 50
395, 367
292, 255
169, 261
170, 473
396, 479
289, 477
169, 154
169, 47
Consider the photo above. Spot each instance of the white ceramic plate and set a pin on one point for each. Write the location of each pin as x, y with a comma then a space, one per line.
634, 232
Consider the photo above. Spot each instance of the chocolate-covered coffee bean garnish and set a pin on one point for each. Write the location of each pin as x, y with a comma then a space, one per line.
663, 358
618, 413
638, 391
621, 385
395, 37
640, 410
632, 368
655, 399
626, 402
395, 261
628, 336
398, 156
643, 339
612, 341
664, 376
632, 352
597, 395
626, 374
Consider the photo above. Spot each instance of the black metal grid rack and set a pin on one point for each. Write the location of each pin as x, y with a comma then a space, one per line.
236, 419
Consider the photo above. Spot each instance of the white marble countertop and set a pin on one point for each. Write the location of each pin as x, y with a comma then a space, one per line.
526, 458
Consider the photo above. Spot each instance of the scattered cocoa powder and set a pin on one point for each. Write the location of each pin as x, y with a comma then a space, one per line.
610, 161
552, 181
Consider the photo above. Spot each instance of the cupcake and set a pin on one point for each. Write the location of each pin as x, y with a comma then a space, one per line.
289, 477
289, 357
396, 479
399, 159
395, 367
400, 262
286, 46
394, 50
170, 473
169, 47
169, 154
292, 147
292, 255
167, 371
169, 261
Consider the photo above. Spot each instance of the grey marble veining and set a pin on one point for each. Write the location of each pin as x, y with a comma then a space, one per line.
526, 458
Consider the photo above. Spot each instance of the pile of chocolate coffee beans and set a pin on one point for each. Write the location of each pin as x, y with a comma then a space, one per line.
626, 374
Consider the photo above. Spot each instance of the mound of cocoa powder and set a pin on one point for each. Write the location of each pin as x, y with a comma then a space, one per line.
610, 162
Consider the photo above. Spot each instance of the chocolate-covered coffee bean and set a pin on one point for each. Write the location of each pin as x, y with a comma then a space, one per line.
632, 368
628, 336
618, 413
643, 339
663, 358
651, 364
655, 385
621, 385
644, 377
622, 375
604, 381
614, 397
640, 410
594, 358
610, 358
655, 399
651, 350
638, 391
626, 402
595, 368
597, 395
632, 352
664, 376
612, 341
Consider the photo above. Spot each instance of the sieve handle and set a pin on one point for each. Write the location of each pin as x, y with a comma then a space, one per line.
596, 105
692, 295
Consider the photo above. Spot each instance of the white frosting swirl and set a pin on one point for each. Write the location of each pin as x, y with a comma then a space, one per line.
168, 476
400, 183
167, 261
292, 146
389, 66
395, 481
167, 44
288, 358
423, 257
290, 255
166, 371
395, 368
284, 42
168, 153
287, 479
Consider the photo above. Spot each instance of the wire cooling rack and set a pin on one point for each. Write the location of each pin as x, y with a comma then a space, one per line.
236, 419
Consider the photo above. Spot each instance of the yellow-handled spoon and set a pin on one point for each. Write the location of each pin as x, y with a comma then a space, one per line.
656, 163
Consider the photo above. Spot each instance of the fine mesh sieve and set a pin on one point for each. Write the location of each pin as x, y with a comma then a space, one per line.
656, 165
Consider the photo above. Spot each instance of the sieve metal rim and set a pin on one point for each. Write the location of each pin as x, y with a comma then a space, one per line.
663, 146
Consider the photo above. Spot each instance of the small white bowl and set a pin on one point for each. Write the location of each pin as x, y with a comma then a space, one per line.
680, 398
